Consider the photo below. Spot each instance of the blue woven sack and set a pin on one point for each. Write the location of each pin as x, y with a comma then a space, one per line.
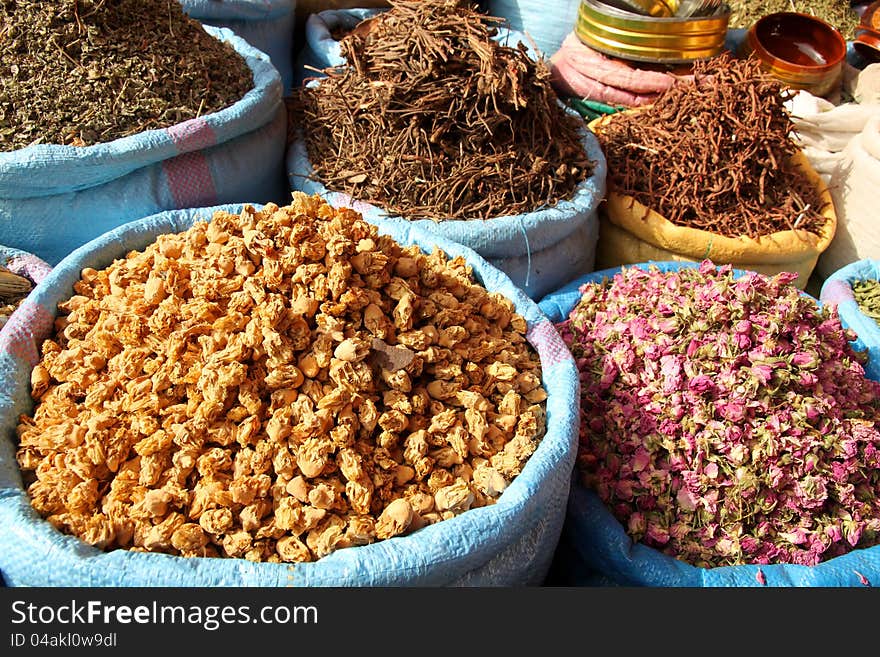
538, 273
595, 549
546, 23
321, 49
539, 250
267, 25
55, 198
509, 543
837, 290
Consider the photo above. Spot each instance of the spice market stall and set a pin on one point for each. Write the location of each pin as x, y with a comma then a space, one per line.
272, 305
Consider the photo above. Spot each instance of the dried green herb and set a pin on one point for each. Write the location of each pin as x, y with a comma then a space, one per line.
714, 153
432, 118
867, 294
80, 72
838, 13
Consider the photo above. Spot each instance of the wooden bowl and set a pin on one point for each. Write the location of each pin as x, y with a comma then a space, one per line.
867, 44
802, 51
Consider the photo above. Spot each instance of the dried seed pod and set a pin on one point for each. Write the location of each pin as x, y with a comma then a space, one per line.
256, 430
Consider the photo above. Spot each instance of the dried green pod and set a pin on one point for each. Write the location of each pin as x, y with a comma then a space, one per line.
867, 295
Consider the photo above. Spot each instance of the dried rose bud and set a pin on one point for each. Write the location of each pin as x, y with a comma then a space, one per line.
726, 420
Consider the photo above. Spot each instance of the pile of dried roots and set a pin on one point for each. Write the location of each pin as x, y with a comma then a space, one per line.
433, 118
715, 153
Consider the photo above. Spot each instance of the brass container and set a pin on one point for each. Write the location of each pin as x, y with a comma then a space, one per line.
800, 50
666, 8
639, 38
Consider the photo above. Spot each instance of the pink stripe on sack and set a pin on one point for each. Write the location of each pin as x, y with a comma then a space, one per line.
549, 344
342, 200
189, 176
29, 266
192, 135
190, 180
25, 328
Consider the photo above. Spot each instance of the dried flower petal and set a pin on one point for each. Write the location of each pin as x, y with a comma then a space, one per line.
727, 420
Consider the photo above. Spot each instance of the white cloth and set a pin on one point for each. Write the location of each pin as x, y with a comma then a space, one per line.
824, 129
854, 186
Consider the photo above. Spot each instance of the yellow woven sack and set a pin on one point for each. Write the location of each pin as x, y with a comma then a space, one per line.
630, 232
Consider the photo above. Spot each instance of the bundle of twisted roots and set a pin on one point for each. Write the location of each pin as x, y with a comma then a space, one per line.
433, 118
715, 153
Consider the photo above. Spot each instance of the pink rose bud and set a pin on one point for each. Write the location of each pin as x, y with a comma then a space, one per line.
804, 359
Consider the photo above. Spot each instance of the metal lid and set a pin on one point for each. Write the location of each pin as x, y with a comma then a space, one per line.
649, 39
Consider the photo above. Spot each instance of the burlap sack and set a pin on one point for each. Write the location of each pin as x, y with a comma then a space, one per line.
630, 233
